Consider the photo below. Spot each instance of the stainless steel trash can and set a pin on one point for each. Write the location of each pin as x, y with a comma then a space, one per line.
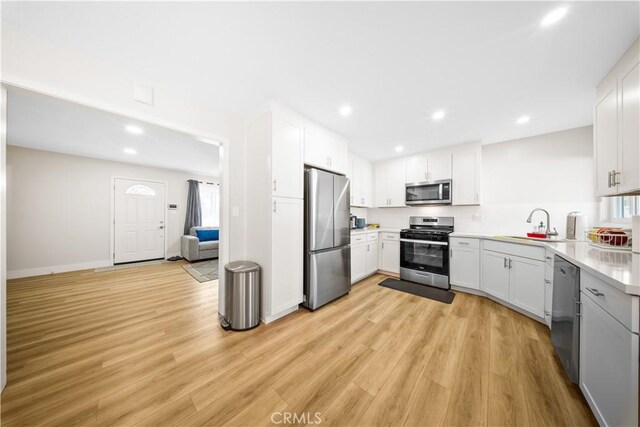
242, 296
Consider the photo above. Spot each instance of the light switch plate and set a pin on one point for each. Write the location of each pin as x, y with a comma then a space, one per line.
235, 211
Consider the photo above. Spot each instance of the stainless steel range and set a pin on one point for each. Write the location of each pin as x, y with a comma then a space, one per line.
424, 251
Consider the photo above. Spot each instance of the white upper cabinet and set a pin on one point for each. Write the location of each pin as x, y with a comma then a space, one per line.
466, 178
440, 167
390, 180
428, 168
287, 156
325, 150
606, 137
417, 169
629, 152
616, 125
360, 173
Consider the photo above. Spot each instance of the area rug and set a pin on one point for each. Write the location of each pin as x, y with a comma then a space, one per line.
435, 294
203, 271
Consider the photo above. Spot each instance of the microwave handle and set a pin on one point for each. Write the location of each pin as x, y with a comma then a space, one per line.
440, 191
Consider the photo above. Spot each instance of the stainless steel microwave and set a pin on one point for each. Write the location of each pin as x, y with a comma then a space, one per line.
429, 193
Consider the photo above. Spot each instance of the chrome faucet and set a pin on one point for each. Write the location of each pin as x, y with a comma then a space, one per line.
548, 232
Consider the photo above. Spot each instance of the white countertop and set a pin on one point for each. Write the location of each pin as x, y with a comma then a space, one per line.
374, 230
620, 269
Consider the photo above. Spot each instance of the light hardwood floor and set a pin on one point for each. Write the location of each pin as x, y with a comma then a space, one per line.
143, 346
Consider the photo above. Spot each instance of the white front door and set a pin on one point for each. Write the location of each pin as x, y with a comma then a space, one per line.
139, 220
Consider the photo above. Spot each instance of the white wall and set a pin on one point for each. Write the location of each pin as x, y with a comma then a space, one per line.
552, 171
37, 64
59, 209
3, 239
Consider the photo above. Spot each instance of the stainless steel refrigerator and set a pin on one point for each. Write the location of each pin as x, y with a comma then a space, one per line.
327, 262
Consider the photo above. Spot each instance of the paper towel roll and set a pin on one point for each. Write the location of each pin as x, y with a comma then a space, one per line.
635, 234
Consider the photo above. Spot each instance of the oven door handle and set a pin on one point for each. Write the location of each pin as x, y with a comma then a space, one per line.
424, 242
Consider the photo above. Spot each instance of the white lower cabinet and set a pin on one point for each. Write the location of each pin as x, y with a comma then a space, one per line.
608, 366
389, 259
372, 257
464, 264
358, 261
526, 284
548, 293
495, 274
287, 231
364, 255
517, 280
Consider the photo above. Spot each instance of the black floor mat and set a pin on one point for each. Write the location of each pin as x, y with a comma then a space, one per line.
424, 291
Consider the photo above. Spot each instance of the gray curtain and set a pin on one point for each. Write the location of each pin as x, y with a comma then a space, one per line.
194, 210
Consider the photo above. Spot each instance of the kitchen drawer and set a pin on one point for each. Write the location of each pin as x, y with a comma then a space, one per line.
464, 242
358, 238
390, 236
521, 250
621, 306
372, 236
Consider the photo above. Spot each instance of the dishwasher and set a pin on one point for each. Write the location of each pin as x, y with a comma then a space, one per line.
565, 316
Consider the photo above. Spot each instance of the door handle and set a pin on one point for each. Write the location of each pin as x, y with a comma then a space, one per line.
595, 292
510, 263
274, 205
275, 184
609, 179
450, 253
505, 263
161, 227
382, 245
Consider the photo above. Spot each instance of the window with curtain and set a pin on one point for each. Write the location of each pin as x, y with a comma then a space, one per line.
210, 204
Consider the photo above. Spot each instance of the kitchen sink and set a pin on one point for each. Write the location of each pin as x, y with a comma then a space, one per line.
532, 238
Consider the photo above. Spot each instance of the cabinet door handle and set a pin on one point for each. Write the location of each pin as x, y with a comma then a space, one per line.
615, 174
548, 282
275, 184
274, 205
509, 263
464, 243
578, 308
367, 248
382, 245
450, 253
505, 263
595, 292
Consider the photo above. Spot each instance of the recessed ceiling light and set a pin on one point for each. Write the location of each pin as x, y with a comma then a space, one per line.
522, 120
399, 149
438, 115
130, 151
136, 130
345, 110
553, 16
207, 140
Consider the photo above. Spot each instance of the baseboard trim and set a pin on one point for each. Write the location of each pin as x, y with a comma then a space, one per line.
269, 319
499, 301
53, 269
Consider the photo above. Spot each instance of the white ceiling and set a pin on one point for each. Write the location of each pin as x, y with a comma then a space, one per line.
45, 123
485, 63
